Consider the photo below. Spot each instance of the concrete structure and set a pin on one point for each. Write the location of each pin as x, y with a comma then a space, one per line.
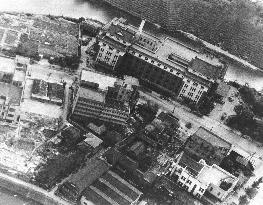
110, 189
10, 97
204, 144
164, 63
95, 98
198, 177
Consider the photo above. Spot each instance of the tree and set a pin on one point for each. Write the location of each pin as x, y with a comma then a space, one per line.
257, 183
251, 192
243, 200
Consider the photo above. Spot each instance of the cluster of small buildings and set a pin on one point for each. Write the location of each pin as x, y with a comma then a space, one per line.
165, 64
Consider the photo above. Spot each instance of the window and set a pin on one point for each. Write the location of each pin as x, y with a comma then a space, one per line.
146, 58
113, 62
152, 61
159, 64
140, 55
188, 182
100, 54
180, 95
110, 48
201, 190
185, 85
218, 194
171, 70
183, 178
102, 49
183, 91
116, 56
188, 81
200, 91
211, 188
195, 84
165, 67
109, 53
202, 87
133, 52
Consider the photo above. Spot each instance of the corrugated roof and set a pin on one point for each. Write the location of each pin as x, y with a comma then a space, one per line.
212, 138
187, 161
206, 69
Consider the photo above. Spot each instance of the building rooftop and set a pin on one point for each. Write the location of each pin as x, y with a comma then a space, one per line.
11, 92
92, 140
190, 164
7, 65
212, 138
111, 189
165, 49
102, 80
223, 89
215, 175
91, 94
88, 174
206, 69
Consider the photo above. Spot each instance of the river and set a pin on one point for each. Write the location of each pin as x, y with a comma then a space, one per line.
104, 13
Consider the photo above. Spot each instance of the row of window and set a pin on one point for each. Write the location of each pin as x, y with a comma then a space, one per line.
190, 182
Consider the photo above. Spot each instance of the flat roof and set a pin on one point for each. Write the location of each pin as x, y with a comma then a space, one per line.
212, 138
11, 92
215, 175
102, 80
91, 94
92, 140
7, 65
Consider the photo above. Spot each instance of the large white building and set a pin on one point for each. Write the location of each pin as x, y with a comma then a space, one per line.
198, 177
165, 63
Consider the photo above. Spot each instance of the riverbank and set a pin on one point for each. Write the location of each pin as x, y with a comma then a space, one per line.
30, 191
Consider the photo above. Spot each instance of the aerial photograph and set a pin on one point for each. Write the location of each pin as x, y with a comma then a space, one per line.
131, 102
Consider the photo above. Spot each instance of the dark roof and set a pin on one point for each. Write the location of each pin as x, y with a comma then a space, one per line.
223, 89
206, 69
187, 161
11, 92
168, 118
125, 35
211, 138
88, 174
111, 186
70, 132
55, 91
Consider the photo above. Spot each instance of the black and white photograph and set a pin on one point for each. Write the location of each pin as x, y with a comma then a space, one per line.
131, 102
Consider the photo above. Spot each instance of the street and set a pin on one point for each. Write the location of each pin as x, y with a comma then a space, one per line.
240, 144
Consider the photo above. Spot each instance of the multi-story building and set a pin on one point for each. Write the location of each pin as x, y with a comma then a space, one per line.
198, 177
204, 144
101, 97
163, 63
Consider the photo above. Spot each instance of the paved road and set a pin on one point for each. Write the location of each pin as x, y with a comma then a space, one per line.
41, 195
242, 145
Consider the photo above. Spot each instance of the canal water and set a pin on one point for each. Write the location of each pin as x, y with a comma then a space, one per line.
104, 13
